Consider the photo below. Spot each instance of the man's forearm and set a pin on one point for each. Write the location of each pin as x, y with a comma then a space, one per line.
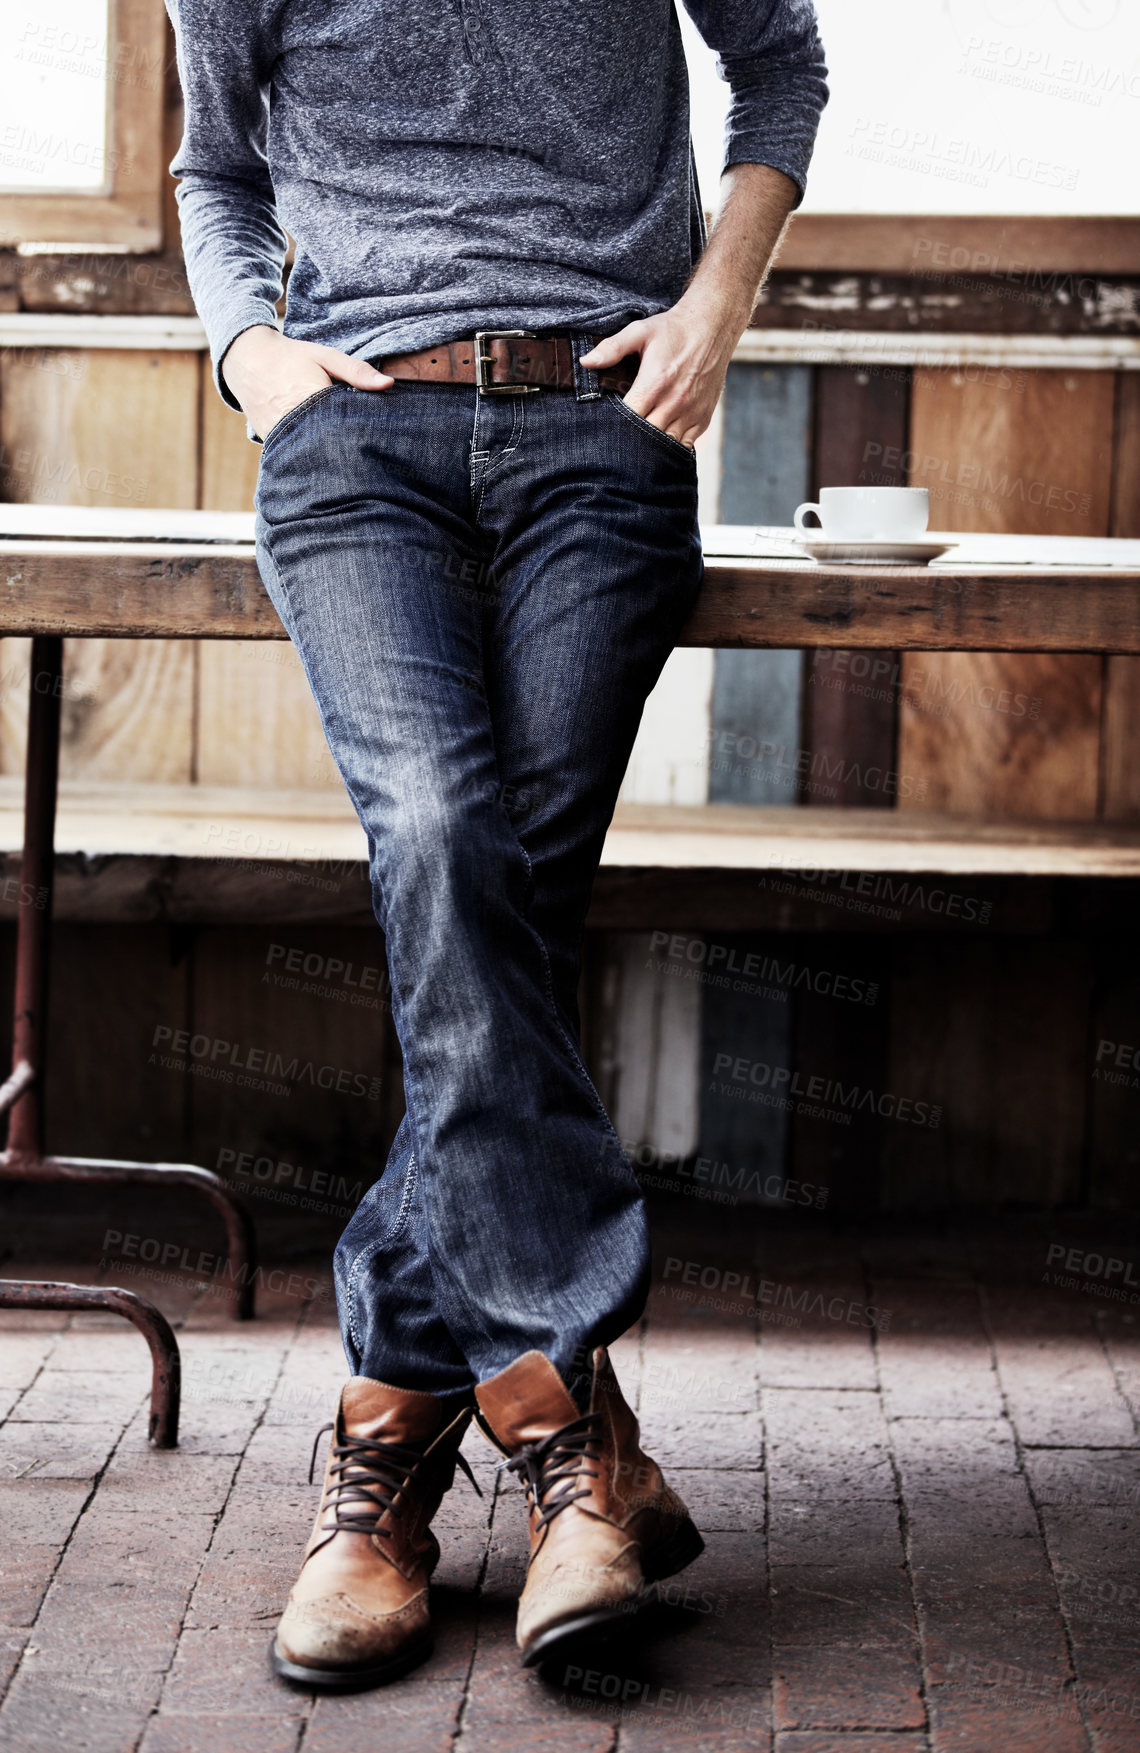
685, 351
756, 202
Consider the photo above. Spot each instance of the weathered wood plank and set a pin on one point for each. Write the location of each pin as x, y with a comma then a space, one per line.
713, 899
257, 722
125, 523
851, 713
1121, 764
751, 1136
949, 290
944, 286
173, 590
766, 471
860, 426
190, 853
1019, 735
111, 988
827, 841
842, 1013
126, 713
308, 826
316, 830
1002, 733
229, 458
1113, 1144
646, 1030
136, 889
127, 709
1002, 1050
757, 751
880, 240
754, 729
134, 591
61, 448
779, 604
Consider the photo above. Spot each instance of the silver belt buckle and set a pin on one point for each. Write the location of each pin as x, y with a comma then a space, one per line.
484, 362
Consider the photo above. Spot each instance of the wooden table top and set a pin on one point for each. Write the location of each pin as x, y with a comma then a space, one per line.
109, 573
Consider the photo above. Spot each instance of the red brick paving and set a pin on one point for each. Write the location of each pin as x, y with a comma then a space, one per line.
922, 1536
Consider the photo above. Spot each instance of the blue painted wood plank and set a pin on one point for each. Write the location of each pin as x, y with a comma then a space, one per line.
765, 473
754, 735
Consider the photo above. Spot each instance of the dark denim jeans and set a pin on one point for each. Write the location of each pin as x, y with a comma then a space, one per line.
483, 592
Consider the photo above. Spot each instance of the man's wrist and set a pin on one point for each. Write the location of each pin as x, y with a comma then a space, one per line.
240, 347
720, 312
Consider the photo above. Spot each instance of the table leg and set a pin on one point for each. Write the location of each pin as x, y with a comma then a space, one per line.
22, 1094
33, 932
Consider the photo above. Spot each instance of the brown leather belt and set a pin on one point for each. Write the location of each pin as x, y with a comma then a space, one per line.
504, 362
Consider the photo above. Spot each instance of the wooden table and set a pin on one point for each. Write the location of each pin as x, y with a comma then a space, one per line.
192, 575
103, 573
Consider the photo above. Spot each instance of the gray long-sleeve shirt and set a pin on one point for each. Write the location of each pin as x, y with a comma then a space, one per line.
451, 165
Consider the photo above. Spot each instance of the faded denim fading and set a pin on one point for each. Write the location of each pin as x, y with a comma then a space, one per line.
483, 592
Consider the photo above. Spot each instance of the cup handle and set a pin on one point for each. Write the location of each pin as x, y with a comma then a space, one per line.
801, 513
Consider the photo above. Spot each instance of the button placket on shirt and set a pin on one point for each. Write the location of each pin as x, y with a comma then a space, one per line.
477, 34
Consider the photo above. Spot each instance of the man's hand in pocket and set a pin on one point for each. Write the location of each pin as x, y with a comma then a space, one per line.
268, 374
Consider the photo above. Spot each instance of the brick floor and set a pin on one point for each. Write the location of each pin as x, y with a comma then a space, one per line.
922, 1525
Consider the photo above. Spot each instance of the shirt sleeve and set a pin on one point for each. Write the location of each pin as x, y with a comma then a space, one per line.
770, 54
232, 241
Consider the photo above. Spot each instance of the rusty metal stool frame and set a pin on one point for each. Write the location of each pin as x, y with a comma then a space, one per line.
166, 1360
22, 1094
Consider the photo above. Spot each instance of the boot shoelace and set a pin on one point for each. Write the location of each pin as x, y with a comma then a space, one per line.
550, 1469
372, 1474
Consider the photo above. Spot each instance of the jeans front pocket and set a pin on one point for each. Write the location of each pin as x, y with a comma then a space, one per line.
292, 415
643, 425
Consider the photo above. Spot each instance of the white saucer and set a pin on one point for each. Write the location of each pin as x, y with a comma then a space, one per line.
873, 553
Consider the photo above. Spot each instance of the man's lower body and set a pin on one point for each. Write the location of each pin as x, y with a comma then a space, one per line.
483, 590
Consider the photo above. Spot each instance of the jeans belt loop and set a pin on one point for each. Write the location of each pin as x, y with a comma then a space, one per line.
586, 387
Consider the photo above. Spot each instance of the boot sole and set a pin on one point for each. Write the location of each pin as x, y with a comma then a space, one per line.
667, 1559
347, 1679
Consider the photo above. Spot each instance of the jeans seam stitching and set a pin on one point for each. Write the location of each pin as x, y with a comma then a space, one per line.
374, 1248
548, 990
479, 467
512, 444
477, 462
586, 385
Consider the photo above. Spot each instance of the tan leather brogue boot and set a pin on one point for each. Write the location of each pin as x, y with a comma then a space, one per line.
603, 1522
358, 1614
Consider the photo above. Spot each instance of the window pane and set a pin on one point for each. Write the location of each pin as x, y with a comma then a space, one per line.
966, 106
53, 95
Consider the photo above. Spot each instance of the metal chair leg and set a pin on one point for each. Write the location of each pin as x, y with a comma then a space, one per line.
241, 1266
166, 1360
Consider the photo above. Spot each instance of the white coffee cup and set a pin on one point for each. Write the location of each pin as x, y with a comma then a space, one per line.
868, 514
